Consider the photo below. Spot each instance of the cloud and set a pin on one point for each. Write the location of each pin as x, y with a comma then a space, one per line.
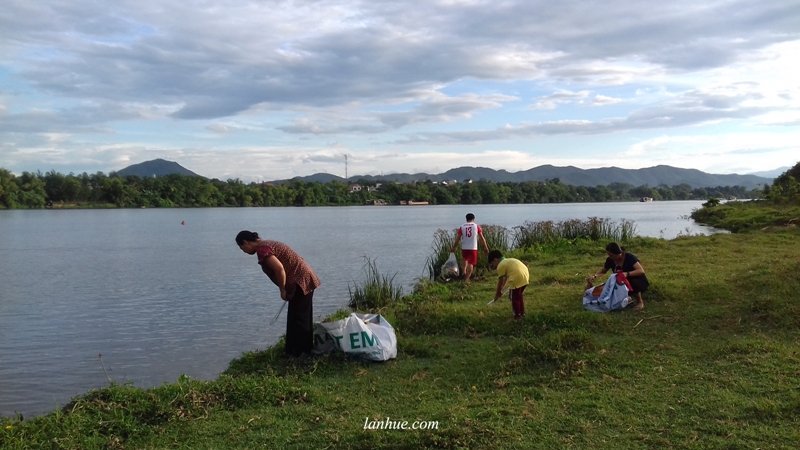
602, 100
223, 60
48, 121
436, 108
552, 100
136, 79
305, 126
222, 128
442, 108
566, 97
688, 109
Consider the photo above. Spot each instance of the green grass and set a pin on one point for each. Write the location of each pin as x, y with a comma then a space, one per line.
711, 362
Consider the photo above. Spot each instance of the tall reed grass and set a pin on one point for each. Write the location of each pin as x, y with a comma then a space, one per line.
443, 240
546, 232
497, 237
376, 291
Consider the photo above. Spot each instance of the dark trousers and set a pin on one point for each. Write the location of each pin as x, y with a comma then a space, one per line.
639, 284
517, 302
300, 324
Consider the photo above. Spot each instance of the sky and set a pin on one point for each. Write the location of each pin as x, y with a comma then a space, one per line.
267, 90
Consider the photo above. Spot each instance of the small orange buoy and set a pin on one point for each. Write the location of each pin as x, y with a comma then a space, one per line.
183, 222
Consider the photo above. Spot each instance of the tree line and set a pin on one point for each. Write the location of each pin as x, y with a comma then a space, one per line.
786, 188
37, 190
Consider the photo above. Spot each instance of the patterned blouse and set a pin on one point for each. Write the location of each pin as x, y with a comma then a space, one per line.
298, 272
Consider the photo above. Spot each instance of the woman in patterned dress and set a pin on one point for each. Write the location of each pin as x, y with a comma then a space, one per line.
296, 281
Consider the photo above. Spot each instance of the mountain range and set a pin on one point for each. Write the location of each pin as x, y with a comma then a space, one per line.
652, 176
774, 173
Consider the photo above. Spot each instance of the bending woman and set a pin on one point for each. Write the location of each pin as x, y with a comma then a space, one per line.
619, 259
296, 281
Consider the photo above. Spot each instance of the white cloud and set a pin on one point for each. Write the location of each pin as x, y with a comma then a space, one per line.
721, 154
561, 97
601, 100
126, 80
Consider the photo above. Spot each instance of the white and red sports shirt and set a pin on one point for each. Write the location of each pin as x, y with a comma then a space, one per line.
469, 235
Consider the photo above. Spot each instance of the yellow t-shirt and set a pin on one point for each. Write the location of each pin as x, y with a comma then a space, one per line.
515, 271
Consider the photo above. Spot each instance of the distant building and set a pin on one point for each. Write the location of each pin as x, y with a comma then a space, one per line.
355, 188
376, 202
468, 180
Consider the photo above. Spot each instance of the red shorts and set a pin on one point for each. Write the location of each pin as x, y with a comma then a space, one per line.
470, 256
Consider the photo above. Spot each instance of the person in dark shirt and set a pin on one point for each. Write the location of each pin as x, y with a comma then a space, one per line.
628, 263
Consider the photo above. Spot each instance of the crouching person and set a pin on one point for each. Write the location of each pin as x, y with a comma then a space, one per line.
620, 260
513, 275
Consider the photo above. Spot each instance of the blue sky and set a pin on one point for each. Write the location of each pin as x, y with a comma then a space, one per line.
264, 90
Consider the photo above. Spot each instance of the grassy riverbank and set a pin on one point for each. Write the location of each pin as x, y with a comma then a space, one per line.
711, 362
742, 217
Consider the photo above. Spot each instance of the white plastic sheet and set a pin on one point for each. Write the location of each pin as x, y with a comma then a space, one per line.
613, 297
366, 335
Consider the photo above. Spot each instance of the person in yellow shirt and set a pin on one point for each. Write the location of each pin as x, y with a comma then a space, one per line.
513, 275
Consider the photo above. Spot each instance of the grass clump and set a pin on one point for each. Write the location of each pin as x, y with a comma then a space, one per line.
376, 291
532, 234
443, 241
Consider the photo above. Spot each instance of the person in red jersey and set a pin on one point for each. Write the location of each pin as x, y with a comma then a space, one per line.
469, 234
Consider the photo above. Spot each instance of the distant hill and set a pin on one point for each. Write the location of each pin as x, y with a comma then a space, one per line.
652, 176
158, 167
775, 173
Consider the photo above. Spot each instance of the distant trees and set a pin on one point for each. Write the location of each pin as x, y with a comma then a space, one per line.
26, 191
786, 188
38, 190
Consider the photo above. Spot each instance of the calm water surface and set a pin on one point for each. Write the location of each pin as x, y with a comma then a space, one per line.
158, 299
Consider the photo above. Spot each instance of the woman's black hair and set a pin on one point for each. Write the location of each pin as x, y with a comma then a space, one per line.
246, 236
614, 248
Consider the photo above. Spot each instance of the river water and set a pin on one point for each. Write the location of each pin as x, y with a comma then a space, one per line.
158, 299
